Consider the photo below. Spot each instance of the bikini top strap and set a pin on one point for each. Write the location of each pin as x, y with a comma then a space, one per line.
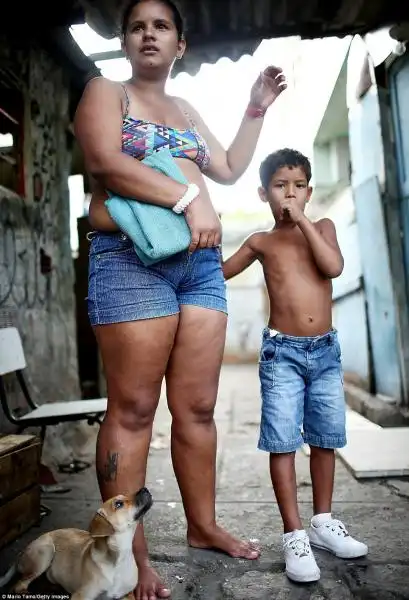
189, 118
186, 113
126, 107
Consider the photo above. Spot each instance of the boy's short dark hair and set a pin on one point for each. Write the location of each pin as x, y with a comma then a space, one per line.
286, 157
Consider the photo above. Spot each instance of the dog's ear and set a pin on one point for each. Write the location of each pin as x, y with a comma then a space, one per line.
100, 526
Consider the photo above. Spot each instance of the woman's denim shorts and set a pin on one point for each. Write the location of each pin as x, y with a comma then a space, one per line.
121, 288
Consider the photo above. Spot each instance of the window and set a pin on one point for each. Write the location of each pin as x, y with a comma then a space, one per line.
11, 139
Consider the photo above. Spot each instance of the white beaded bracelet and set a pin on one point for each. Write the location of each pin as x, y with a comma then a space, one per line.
191, 193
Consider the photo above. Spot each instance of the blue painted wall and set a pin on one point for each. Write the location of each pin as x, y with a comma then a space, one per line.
367, 162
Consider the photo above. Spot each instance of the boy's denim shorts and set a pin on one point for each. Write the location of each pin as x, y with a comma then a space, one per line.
121, 288
302, 392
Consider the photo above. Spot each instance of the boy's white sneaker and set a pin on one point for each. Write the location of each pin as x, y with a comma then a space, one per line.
300, 565
333, 536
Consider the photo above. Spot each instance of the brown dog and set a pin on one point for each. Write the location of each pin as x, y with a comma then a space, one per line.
88, 564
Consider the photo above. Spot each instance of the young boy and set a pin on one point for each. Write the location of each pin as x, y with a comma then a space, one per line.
300, 359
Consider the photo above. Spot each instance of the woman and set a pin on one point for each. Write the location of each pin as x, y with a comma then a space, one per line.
169, 320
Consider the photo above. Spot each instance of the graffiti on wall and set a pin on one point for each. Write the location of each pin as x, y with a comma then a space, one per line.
28, 277
34, 231
36, 270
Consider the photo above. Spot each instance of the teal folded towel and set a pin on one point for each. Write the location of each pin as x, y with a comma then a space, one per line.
156, 231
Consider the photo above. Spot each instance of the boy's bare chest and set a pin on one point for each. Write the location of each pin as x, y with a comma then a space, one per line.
285, 252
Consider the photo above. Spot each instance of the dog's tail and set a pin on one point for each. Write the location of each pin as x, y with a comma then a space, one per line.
8, 576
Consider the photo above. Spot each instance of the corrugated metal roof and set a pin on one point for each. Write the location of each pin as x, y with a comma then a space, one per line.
218, 28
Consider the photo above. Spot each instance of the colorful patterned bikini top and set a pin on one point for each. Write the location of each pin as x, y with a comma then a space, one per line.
142, 138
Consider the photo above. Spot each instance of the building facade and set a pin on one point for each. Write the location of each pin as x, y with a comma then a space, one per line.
37, 97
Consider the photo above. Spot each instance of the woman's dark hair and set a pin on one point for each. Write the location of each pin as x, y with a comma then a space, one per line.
177, 17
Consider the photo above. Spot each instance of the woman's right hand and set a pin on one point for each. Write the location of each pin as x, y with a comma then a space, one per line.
204, 224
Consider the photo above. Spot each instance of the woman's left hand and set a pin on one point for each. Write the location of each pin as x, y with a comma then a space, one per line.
268, 86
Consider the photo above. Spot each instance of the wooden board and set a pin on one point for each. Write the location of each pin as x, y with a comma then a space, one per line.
8, 443
19, 514
19, 468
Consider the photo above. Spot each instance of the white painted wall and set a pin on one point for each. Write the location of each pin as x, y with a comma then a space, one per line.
348, 295
246, 305
350, 321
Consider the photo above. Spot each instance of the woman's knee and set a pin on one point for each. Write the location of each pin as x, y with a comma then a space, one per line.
197, 408
132, 409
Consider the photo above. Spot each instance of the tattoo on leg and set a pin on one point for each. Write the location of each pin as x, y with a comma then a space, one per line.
110, 468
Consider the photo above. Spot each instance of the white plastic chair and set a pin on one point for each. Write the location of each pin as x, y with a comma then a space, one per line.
12, 360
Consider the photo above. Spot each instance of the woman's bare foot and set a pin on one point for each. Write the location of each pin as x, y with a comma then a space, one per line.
218, 538
150, 586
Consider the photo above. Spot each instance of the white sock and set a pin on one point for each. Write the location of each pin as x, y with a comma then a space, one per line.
290, 534
318, 520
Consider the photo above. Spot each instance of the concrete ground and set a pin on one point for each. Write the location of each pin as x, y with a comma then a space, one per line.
374, 511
